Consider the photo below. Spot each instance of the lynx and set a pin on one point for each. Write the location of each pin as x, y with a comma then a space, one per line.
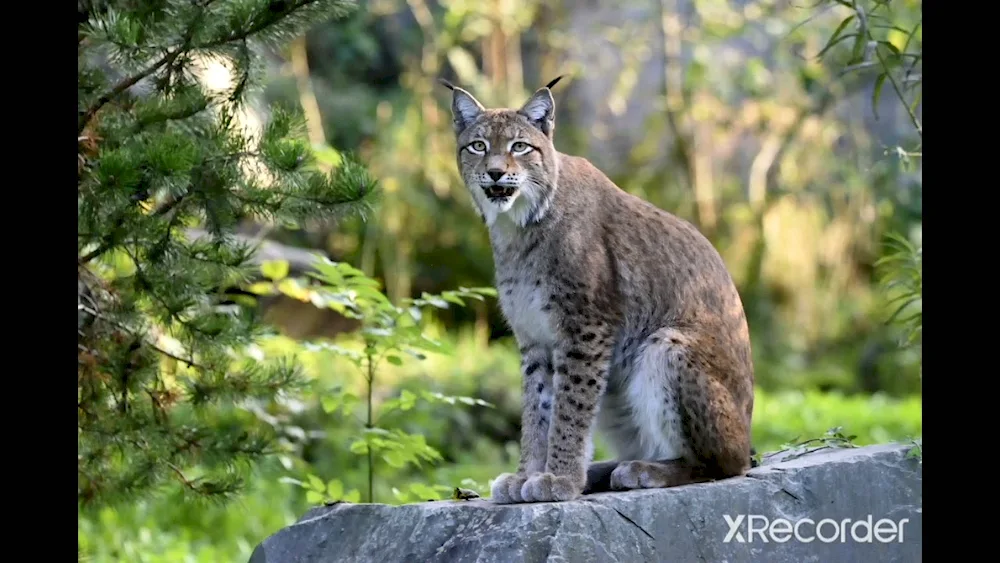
626, 317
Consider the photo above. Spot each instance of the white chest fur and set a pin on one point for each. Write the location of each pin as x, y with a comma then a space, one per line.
524, 302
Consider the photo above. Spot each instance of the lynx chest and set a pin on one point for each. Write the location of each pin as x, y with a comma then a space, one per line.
525, 305
524, 284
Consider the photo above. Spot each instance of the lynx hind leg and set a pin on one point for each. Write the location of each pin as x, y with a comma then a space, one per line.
718, 429
708, 402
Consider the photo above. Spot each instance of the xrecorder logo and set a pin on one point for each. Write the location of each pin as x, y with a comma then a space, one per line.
758, 528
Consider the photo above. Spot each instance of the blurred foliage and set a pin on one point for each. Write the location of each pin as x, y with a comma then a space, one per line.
387, 332
898, 59
879, 43
904, 279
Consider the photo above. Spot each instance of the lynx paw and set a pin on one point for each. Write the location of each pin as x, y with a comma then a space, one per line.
546, 487
636, 475
507, 488
652, 475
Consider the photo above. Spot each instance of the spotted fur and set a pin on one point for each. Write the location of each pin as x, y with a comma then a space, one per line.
626, 317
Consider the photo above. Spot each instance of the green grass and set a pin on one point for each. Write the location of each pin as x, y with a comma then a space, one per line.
788, 416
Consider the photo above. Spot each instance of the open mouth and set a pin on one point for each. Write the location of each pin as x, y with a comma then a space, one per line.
499, 192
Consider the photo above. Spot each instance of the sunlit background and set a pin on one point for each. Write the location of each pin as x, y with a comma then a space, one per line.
717, 111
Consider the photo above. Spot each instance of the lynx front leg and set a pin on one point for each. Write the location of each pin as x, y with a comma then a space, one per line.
581, 368
536, 413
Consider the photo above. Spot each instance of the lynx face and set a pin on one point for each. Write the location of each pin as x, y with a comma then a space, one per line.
506, 156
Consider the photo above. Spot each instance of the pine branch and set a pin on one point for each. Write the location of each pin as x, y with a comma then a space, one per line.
130, 81
123, 85
271, 19
108, 244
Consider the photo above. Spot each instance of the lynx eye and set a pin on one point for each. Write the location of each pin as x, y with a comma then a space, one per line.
520, 147
478, 147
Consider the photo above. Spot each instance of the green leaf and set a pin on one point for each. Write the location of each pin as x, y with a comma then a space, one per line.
353, 497
889, 45
349, 270
389, 405
394, 458
372, 294
376, 431
334, 489
400, 495
348, 402
406, 400
313, 497
416, 354
877, 93
478, 292
434, 300
261, 288
888, 26
424, 343
359, 447
317, 299
911, 35
858, 49
435, 396
394, 360
316, 483
916, 102
292, 481
353, 355
275, 270
293, 289
909, 301
836, 38
329, 403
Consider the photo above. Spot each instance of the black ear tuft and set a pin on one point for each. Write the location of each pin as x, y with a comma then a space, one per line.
447, 84
554, 81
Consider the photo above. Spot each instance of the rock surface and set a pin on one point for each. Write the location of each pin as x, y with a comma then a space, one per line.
880, 486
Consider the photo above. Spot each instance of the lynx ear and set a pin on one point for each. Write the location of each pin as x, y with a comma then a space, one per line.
464, 107
540, 109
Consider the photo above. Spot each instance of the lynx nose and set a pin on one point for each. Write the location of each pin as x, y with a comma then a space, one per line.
495, 173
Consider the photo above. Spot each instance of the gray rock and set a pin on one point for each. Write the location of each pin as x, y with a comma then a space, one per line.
879, 486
